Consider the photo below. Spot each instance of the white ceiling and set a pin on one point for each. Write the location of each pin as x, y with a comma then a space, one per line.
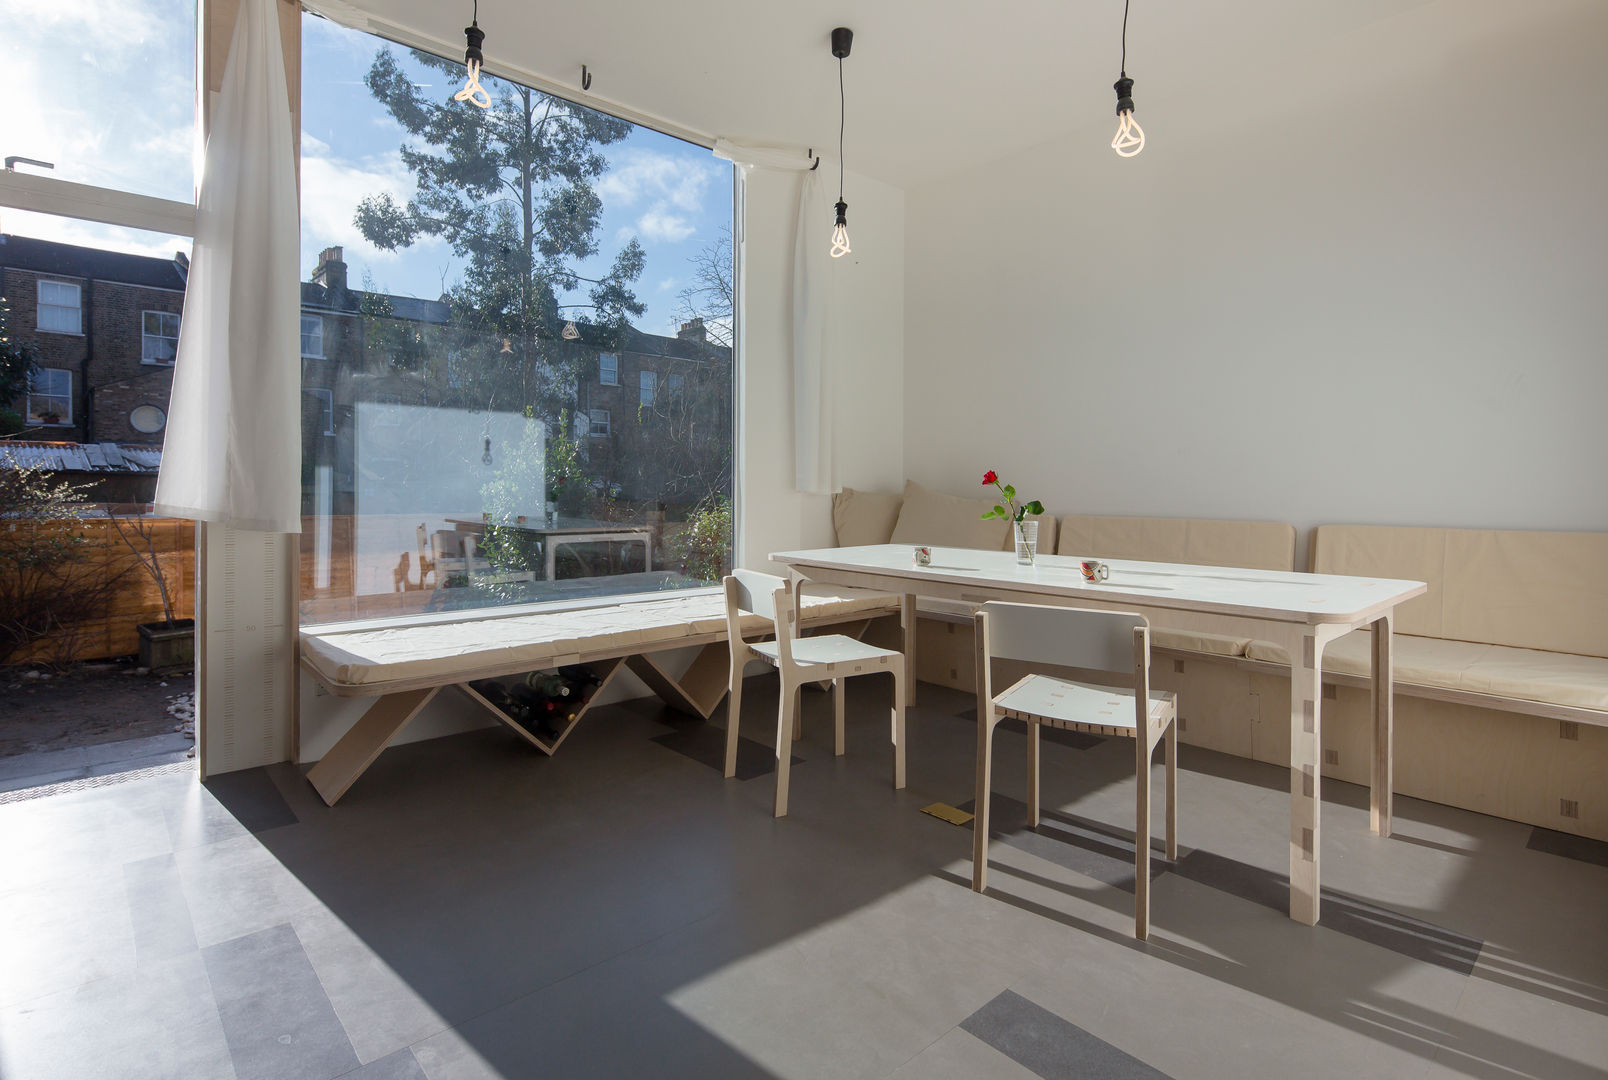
933, 85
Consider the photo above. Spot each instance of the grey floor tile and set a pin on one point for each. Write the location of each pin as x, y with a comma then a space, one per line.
158, 911
1091, 848
1581, 848
961, 1056
706, 745
275, 1014
401, 1065
252, 798
1050, 1046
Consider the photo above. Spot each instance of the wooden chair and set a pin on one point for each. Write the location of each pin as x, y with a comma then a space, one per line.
1111, 649
799, 660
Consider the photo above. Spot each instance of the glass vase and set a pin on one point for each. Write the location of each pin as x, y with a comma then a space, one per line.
1026, 542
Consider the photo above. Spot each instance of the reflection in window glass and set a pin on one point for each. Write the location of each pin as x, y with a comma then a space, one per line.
159, 337
435, 311
50, 396
58, 308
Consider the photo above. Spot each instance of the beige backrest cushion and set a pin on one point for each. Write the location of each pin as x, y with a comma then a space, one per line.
1529, 590
1256, 545
864, 517
930, 517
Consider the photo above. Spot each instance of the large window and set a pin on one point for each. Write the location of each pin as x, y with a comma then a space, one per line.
50, 396
159, 337
465, 332
58, 308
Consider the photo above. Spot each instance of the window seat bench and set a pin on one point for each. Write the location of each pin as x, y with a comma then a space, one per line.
404, 667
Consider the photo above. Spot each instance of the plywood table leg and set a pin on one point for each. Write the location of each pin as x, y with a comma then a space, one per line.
907, 619
1382, 777
358, 748
1306, 775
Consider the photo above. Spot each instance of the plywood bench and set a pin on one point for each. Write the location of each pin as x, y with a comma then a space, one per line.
404, 667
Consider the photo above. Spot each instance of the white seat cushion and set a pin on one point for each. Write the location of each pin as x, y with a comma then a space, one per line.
1064, 701
1525, 674
826, 649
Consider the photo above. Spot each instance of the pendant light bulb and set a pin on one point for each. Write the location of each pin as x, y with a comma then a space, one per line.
840, 232
1130, 137
570, 332
842, 42
472, 59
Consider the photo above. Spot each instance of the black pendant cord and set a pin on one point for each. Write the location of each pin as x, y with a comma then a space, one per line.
1124, 68
474, 19
843, 114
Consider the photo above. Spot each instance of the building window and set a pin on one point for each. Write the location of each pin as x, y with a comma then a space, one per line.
608, 369
159, 337
674, 384
58, 308
650, 383
50, 397
312, 335
600, 424
322, 405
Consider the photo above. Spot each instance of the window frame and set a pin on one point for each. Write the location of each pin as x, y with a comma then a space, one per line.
41, 304
592, 423
35, 419
320, 354
647, 387
327, 396
146, 335
675, 383
613, 376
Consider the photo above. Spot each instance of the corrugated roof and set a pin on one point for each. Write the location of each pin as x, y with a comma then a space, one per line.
103, 457
70, 260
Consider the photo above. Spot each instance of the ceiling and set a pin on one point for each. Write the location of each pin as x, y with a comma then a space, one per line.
933, 85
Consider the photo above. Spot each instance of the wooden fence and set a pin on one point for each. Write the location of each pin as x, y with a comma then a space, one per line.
133, 596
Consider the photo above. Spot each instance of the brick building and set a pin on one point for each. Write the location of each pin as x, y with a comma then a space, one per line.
104, 327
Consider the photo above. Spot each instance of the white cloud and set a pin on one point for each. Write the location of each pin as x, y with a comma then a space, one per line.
667, 284
331, 189
660, 179
91, 234
657, 224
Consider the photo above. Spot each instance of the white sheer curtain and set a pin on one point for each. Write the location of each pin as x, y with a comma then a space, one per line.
814, 446
232, 455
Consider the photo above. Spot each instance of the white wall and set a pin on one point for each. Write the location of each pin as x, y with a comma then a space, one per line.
868, 331
1365, 283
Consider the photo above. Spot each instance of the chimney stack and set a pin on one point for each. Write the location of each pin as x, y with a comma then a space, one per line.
693, 330
331, 270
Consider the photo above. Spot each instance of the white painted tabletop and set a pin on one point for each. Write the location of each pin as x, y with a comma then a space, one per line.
1277, 594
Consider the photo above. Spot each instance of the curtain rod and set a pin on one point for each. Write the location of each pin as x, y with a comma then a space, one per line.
344, 13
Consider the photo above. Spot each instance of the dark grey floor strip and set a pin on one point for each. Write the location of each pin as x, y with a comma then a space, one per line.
252, 797
706, 744
401, 1065
1343, 914
1581, 848
276, 1017
1050, 1046
159, 912
1090, 848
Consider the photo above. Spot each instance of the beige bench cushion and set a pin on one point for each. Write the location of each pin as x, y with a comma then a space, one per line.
1478, 668
451, 651
1529, 590
864, 517
1190, 641
1257, 545
939, 520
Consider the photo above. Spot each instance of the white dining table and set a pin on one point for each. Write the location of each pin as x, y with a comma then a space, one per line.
1302, 612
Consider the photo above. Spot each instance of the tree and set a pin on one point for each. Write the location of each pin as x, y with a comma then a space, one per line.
712, 294
16, 364
511, 190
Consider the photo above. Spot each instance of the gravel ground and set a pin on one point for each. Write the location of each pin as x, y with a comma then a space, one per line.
87, 704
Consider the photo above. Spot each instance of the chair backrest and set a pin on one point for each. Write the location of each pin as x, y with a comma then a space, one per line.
1083, 638
766, 595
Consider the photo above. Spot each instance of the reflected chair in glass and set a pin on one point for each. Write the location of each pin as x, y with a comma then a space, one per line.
1108, 652
799, 660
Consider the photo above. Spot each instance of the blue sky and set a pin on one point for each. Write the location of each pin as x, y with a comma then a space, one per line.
107, 89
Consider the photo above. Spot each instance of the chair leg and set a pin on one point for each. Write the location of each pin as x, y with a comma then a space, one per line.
798, 714
985, 769
734, 716
899, 710
1141, 837
1032, 774
1171, 750
837, 705
786, 716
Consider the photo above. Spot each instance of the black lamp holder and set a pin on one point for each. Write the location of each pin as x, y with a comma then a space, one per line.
843, 213
476, 36
1124, 88
842, 41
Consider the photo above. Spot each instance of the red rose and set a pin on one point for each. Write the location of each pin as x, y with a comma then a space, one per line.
991, 477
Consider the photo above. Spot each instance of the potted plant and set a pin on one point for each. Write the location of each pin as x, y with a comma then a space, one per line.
168, 645
50, 416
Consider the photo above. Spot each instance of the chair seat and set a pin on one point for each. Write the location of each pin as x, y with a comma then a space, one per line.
826, 649
1060, 701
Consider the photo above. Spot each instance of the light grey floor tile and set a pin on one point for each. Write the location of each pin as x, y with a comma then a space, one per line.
1051, 1046
277, 1019
401, 1065
64, 933
159, 1022
961, 1056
